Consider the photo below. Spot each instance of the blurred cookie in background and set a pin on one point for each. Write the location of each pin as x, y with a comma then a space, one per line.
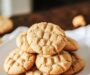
5, 25
78, 21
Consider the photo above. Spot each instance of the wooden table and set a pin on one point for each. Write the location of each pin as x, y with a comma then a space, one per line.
62, 16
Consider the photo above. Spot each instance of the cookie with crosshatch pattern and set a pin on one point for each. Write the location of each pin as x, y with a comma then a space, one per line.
77, 64
46, 38
22, 42
56, 64
18, 62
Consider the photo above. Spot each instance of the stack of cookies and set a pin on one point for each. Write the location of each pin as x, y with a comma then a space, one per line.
44, 50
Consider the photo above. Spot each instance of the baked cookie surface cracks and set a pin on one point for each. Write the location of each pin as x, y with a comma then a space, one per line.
46, 38
18, 62
56, 64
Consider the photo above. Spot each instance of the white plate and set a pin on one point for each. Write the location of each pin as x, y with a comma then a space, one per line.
84, 52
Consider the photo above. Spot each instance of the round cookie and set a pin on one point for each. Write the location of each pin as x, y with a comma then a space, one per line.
22, 42
77, 65
46, 38
5, 24
18, 62
56, 64
71, 44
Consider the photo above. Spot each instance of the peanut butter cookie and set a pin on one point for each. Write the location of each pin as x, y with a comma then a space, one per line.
71, 44
56, 64
5, 24
46, 38
22, 42
77, 65
18, 62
